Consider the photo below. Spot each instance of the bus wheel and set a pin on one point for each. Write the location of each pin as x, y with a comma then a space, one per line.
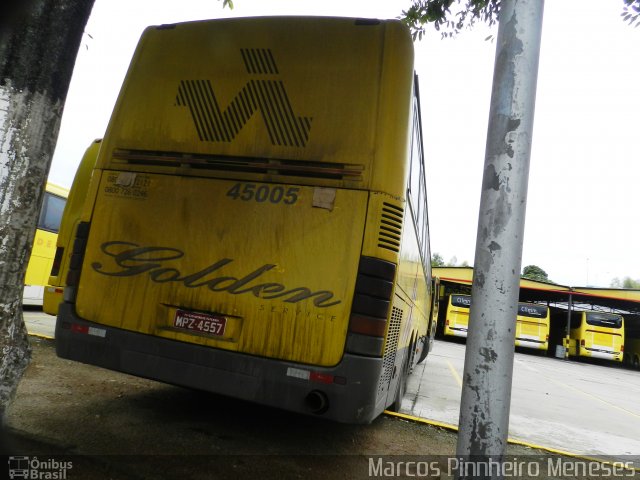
401, 386
636, 362
426, 349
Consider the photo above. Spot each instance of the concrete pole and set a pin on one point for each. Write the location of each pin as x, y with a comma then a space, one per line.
486, 391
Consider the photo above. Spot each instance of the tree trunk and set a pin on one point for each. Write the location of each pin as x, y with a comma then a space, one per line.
39, 40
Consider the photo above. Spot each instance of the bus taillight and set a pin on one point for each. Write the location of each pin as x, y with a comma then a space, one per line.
75, 263
582, 344
57, 262
370, 307
367, 325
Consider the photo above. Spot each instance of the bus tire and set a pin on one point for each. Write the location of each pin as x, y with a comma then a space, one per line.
636, 362
401, 386
426, 348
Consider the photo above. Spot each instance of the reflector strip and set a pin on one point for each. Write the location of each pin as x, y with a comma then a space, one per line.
96, 332
298, 373
321, 377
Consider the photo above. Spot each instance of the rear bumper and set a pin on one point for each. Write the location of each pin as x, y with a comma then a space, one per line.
603, 354
458, 332
266, 381
534, 344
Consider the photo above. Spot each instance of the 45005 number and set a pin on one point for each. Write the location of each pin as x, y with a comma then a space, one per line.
264, 193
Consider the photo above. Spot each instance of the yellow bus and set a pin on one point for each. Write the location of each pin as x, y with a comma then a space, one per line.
597, 335
70, 218
256, 223
532, 326
44, 244
456, 321
632, 352
532, 322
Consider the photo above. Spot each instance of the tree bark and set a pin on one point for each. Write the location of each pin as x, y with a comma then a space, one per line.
39, 41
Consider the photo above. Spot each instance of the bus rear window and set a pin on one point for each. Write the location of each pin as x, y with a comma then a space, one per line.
461, 301
531, 310
604, 320
51, 213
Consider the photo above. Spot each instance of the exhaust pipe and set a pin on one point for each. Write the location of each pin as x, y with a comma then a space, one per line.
317, 402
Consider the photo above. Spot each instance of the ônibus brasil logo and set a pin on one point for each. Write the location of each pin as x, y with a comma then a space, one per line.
33, 468
266, 95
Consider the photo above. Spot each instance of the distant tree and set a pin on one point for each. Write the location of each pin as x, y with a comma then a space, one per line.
627, 282
437, 260
438, 13
467, 12
533, 272
631, 13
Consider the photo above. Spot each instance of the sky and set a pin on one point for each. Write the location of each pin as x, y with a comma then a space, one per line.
581, 224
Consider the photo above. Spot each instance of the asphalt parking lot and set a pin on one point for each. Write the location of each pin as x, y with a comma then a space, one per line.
576, 407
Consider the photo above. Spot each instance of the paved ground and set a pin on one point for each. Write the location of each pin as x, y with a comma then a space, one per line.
577, 407
39, 323
573, 407
78, 422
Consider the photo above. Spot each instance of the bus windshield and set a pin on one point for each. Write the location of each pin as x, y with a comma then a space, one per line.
463, 301
604, 320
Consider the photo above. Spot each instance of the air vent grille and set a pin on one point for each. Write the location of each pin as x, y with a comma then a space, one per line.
297, 168
390, 232
391, 346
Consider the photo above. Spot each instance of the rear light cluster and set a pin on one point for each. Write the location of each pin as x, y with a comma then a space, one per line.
317, 377
75, 263
85, 329
370, 308
57, 262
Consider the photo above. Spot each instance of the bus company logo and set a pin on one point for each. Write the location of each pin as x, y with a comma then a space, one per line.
35, 469
266, 95
132, 260
531, 311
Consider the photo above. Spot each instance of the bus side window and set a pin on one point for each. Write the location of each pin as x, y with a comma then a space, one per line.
51, 213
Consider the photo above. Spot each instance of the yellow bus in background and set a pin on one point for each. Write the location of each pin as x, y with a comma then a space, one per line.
53, 292
532, 322
256, 223
632, 352
44, 244
597, 335
532, 326
632, 340
456, 322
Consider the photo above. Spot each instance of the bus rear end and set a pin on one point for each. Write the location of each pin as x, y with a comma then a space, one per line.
532, 326
602, 336
231, 237
457, 317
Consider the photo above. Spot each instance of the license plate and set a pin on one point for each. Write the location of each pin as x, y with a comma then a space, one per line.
200, 322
